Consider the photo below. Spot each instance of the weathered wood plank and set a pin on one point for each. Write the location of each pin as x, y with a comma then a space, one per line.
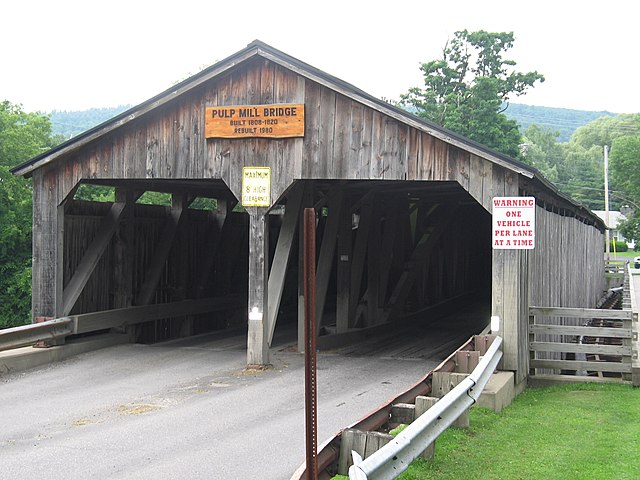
342, 138
579, 365
578, 330
583, 313
594, 349
326, 167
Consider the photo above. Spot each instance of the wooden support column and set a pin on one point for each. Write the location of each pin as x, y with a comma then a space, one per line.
373, 267
124, 251
257, 344
509, 299
46, 282
277, 275
344, 267
510, 292
157, 264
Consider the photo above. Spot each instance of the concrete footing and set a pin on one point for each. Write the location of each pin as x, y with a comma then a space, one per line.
499, 391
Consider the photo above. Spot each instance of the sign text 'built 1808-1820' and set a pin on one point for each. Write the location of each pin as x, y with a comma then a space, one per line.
242, 121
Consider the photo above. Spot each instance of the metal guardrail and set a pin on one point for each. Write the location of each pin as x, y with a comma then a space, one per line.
25, 335
395, 457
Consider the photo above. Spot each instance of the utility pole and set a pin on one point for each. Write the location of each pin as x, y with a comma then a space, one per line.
606, 199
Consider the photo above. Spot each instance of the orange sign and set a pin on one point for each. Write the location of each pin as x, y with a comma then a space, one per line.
246, 121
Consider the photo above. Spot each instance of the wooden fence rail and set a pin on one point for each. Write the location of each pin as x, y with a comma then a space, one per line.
594, 344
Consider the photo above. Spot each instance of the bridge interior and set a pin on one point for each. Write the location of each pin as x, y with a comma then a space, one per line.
390, 254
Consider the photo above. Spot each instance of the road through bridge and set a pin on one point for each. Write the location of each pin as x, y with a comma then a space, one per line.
189, 407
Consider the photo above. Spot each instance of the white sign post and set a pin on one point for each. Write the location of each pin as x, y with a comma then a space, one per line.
514, 223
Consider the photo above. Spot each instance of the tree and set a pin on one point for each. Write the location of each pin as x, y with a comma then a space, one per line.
625, 175
22, 136
540, 149
466, 89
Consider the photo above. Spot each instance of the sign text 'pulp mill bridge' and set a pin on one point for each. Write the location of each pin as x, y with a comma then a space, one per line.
404, 212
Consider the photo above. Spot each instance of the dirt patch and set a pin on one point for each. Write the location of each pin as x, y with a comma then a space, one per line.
138, 409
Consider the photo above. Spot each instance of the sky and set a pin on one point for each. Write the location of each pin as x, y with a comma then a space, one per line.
75, 55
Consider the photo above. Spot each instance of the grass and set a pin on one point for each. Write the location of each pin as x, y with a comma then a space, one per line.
581, 431
629, 254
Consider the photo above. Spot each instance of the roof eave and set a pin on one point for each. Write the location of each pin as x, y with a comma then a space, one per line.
26, 169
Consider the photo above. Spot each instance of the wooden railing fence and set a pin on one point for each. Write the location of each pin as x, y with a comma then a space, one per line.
581, 344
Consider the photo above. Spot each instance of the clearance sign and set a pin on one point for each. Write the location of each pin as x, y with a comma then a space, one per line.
256, 187
249, 121
514, 223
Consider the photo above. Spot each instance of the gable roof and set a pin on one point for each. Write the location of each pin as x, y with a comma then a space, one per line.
255, 49
261, 49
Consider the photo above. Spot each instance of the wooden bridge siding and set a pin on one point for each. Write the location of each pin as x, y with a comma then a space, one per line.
567, 263
566, 267
343, 140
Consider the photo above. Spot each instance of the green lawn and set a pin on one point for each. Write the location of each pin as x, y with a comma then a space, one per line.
583, 431
629, 254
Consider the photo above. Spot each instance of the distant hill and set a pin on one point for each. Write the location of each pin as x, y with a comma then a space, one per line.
72, 123
562, 120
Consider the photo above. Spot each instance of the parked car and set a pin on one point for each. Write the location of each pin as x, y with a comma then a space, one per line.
636, 262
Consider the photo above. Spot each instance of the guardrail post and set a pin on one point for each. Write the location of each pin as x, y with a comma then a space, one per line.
442, 383
422, 405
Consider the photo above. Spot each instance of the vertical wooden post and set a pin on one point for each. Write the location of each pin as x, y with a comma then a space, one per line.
123, 252
257, 346
46, 293
344, 267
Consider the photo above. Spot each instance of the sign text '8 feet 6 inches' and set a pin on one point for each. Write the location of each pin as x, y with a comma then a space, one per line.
247, 121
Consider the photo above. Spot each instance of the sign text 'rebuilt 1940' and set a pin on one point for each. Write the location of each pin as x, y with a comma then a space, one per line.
242, 121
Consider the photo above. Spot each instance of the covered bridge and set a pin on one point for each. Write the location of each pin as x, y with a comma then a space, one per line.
403, 207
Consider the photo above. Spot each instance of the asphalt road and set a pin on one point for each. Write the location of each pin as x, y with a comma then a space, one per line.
185, 409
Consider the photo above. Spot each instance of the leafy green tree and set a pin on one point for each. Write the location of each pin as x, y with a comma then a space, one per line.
625, 174
22, 136
540, 149
581, 175
465, 90
604, 130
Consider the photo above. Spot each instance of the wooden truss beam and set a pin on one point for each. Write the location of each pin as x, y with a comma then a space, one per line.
278, 273
420, 254
157, 264
92, 257
327, 251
